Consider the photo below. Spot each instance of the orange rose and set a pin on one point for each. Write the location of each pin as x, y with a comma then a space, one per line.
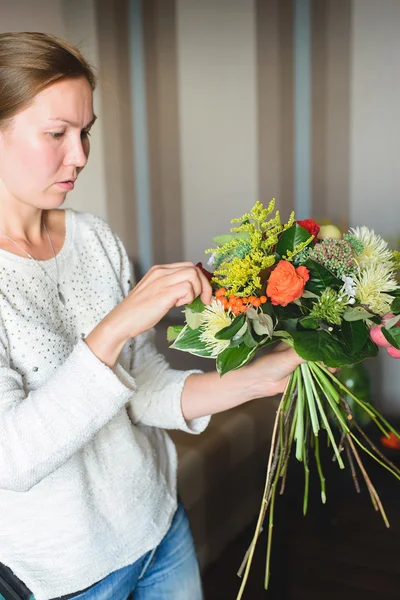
286, 284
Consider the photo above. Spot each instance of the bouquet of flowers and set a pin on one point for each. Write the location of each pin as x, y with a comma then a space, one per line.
335, 301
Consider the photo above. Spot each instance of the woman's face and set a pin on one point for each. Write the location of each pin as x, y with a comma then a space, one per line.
46, 145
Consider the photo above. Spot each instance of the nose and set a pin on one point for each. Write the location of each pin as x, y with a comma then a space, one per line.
77, 153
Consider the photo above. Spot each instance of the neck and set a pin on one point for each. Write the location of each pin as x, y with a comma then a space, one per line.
24, 224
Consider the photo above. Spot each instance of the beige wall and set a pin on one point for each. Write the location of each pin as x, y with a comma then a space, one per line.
32, 15
375, 144
218, 116
375, 123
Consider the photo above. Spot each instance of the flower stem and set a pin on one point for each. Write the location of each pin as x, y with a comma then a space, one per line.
319, 468
374, 494
250, 553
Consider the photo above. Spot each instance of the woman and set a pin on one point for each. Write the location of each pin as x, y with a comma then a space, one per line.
88, 499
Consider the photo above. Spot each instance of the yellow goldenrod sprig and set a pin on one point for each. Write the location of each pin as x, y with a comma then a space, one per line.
297, 249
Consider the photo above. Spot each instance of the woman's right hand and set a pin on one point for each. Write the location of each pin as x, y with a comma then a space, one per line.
162, 288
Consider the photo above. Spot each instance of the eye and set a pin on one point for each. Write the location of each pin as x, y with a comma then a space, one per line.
56, 134
85, 133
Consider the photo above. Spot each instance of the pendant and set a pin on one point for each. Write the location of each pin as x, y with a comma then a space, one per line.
60, 295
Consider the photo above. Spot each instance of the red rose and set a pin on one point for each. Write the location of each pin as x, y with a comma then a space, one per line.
311, 226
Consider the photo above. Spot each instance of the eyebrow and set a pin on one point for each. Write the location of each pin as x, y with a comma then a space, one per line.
73, 123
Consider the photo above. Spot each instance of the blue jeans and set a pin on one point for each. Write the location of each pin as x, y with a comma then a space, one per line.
169, 572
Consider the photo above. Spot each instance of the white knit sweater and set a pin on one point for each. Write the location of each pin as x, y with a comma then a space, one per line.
87, 474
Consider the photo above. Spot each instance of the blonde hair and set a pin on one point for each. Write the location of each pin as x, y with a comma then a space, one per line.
31, 62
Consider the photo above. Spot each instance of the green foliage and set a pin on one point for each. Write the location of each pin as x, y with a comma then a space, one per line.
293, 240
321, 278
321, 346
189, 341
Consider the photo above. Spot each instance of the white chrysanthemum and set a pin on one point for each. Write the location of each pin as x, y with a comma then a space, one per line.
215, 318
371, 285
375, 248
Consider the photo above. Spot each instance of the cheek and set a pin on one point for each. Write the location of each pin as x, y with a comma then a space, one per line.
27, 164
42, 157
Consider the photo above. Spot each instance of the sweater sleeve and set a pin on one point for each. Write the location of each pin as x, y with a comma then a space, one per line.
157, 401
41, 430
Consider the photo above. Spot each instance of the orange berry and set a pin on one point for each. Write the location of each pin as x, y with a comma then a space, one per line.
245, 300
224, 301
263, 299
220, 292
243, 308
256, 302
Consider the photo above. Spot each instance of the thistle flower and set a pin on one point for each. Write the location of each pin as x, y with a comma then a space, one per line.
330, 307
375, 249
373, 287
215, 318
335, 255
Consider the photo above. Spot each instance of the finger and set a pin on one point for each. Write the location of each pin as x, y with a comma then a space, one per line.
156, 272
183, 293
191, 275
206, 289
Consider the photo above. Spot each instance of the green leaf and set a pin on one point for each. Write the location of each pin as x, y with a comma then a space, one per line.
261, 322
196, 306
228, 332
395, 306
395, 293
320, 278
248, 339
292, 237
234, 358
355, 334
319, 346
189, 341
193, 319
356, 313
173, 331
291, 311
308, 323
392, 335
392, 321
308, 294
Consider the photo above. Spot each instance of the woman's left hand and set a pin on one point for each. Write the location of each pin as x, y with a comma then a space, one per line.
275, 368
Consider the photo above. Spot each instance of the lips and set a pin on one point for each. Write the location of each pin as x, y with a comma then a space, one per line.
66, 185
